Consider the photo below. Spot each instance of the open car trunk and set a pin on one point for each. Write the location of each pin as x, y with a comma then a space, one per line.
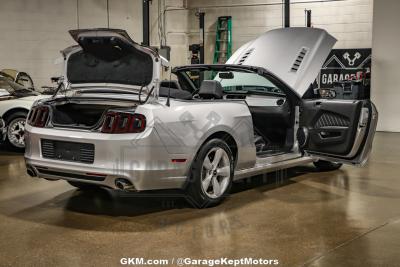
79, 115
107, 63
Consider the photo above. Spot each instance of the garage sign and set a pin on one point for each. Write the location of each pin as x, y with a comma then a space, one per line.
344, 64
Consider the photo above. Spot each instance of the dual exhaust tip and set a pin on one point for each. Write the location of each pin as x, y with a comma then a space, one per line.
124, 184
120, 183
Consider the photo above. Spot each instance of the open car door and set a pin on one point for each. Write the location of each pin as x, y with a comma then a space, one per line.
334, 130
338, 130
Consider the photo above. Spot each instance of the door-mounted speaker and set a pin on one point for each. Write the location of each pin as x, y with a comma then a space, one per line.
302, 136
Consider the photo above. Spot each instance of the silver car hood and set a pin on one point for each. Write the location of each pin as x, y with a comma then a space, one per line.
295, 55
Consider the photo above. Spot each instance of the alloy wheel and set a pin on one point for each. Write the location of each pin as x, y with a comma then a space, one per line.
16, 132
215, 173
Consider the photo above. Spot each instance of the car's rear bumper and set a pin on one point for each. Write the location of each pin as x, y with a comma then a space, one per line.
139, 158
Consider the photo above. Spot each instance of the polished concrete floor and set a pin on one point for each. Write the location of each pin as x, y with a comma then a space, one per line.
349, 217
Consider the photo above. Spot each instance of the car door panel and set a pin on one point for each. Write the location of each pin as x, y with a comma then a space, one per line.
338, 129
331, 125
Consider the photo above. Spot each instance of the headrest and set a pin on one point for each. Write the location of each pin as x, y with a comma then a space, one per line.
211, 89
170, 83
174, 93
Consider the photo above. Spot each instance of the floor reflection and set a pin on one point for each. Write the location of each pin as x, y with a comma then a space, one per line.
299, 216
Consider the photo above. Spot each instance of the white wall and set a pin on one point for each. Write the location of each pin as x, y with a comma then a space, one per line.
176, 28
349, 21
32, 32
247, 22
385, 64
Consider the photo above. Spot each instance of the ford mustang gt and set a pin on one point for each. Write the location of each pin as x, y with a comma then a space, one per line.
117, 124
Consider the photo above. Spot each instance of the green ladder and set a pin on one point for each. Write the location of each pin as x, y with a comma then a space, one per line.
223, 40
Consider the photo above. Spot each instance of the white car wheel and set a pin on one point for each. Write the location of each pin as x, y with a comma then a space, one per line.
16, 132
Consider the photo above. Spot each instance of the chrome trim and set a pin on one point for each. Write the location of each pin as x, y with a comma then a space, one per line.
361, 128
362, 158
296, 128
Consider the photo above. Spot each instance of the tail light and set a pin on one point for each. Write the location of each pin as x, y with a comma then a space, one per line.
38, 116
119, 122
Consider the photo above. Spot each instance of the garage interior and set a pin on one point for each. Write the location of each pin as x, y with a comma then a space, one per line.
347, 217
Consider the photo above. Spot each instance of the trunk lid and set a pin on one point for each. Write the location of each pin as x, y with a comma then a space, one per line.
109, 57
295, 55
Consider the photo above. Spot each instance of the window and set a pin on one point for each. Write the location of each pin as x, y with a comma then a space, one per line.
236, 81
5, 85
24, 80
12, 87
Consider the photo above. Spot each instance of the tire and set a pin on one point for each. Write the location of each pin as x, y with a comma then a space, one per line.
210, 178
83, 186
16, 130
323, 165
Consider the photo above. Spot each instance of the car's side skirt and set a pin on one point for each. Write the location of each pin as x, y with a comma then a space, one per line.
262, 167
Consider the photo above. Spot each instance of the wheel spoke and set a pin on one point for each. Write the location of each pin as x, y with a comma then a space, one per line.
206, 182
216, 173
207, 163
217, 157
16, 132
216, 187
224, 171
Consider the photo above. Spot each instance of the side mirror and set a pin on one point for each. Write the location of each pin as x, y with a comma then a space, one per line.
226, 75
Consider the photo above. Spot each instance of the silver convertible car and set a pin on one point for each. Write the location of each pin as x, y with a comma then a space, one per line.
116, 122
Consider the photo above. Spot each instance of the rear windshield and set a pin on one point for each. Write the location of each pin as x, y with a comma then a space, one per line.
133, 68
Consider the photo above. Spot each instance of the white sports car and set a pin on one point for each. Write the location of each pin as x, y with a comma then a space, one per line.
117, 125
15, 103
